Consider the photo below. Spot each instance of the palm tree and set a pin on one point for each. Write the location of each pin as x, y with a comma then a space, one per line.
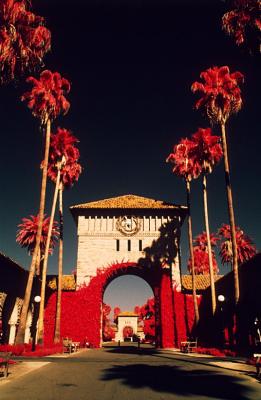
243, 23
26, 235
201, 259
24, 40
245, 246
221, 96
207, 152
185, 168
46, 100
63, 154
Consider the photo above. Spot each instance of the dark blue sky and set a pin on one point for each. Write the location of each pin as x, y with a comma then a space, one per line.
131, 64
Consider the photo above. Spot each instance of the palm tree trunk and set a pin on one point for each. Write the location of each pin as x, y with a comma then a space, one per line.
27, 296
57, 333
230, 213
45, 261
210, 260
190, 236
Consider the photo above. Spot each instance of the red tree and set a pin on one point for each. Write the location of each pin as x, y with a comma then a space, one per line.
243, 23
207, 153
64, 170
221, 97
185, 168
245, 247
24, 40
46, 100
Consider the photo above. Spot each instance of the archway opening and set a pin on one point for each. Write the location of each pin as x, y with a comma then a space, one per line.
128, 311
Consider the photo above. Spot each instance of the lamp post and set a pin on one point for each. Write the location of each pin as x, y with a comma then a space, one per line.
221, 299
37, 300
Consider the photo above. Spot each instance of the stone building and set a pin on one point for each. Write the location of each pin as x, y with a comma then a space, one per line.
127, 228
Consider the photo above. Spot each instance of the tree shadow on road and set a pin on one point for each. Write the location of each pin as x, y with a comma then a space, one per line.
172, 379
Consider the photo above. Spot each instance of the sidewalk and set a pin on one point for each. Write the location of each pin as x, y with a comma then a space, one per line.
232, 363
23, 365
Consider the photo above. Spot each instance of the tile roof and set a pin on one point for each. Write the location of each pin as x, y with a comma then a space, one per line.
128, 201
68, 282
202, 281
127, 314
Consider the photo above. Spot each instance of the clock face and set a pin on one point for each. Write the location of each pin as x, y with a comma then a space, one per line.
128, 225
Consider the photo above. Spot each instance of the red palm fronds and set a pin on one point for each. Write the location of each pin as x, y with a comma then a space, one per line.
201, 240
47, 97
62, 145
221, 94
243, 23
24, 40
245, 246
26, 235
181, 158
207, 150
201, 262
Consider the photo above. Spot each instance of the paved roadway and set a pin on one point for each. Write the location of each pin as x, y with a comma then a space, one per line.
127, 373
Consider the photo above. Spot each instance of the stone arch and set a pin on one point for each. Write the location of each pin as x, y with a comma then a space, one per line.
82, 310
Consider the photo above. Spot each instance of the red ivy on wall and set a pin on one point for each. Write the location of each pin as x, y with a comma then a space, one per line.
81, 310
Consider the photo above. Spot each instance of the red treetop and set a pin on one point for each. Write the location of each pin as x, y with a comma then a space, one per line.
23, 39
207, 151
243, 23
62, 146
245, 247
201, 240
221, 94
46, 99
201, 262
181, 158
26, 235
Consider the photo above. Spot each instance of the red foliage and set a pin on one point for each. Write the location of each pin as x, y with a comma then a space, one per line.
107, 331
245, 247
46, 99
127, 332
201, 261
25, 350
26, 235
221, 94
181, 158
243, 22
201, 240
24, 40
116, 312
147, 314
184, 315
81, 310
207, 151
62, 147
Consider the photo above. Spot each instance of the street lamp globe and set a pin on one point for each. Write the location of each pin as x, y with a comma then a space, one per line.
37, 299
221, 298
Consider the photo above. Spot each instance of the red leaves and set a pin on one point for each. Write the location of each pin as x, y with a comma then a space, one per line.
23, 39
207, 151
201, 261
245, 247
127, 331
62, 145
243, 23
46, 99
184, 165
26, 235
221, 94
193, 155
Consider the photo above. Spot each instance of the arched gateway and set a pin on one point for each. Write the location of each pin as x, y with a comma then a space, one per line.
124, 235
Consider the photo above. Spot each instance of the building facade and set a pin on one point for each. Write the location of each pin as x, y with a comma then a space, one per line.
127, 229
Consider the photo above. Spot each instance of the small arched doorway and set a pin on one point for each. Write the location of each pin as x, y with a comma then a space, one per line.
128, 310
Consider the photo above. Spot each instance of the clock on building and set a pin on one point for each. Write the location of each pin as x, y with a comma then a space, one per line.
128, 225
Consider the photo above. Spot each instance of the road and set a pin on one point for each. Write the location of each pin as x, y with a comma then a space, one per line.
127, 373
